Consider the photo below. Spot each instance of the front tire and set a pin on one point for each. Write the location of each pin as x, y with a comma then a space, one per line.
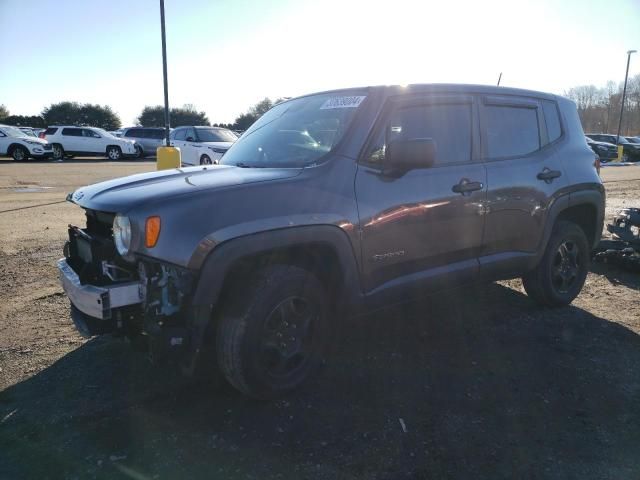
272, 337
560, 275
114, 153
139, 152
20, 154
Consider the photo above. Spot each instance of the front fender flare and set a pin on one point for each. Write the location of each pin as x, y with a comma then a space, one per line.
220, 261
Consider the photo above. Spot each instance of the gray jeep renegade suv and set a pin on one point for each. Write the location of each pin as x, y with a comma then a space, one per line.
332, 203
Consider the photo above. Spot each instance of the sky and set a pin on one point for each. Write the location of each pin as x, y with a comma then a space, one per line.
226, 55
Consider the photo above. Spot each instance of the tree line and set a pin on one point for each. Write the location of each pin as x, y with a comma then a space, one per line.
102, 116
599, 107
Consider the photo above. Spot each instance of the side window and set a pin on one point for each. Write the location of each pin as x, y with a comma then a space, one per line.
157, 134
72, 132
180, 134
190, 133
511, 131
89, 133
552, 119
50, 131
449, 125
132, 132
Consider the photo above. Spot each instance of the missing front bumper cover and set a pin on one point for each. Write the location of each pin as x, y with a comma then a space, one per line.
97, 301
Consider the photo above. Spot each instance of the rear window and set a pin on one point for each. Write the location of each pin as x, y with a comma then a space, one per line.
511, 131
72, 132
552, 119
50, 131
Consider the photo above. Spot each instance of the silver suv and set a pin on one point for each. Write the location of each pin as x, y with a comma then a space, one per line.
147, 139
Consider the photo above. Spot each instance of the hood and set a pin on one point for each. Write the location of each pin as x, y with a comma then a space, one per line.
604, 144
123, 194
220, 145
34, 140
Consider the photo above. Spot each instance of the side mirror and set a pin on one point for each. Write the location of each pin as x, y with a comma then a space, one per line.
190, 139
411, 153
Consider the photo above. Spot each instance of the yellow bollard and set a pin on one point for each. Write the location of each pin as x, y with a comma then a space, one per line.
168, 157
620, 153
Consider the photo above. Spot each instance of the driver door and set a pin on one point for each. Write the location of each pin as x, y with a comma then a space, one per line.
190, 147
423, 227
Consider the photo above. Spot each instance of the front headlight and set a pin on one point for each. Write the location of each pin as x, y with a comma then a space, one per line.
122, 234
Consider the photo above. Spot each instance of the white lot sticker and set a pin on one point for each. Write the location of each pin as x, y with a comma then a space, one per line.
343, 102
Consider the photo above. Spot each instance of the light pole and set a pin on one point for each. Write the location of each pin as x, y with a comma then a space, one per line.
164, 75
624, 93
166, 156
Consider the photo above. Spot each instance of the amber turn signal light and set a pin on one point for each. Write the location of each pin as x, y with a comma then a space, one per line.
152, 231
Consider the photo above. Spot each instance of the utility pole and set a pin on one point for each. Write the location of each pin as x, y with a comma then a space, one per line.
499, 78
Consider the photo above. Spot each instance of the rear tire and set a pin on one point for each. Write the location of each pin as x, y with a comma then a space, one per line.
272, 336
58, 151
560, 275
205, 160
114, 153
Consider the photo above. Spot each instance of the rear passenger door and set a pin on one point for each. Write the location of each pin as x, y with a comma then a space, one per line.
521, 136
71, 139
419, 229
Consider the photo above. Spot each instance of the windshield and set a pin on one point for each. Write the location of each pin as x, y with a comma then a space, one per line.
14, 132
295, 133
633, 139
28, 132
104, 133
216, 135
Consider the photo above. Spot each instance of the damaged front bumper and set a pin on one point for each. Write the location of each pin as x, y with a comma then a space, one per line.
98, 301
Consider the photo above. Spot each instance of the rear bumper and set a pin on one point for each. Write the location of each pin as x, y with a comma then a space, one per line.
95, 301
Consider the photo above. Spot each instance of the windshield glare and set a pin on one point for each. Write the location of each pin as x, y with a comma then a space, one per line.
296, 133
13, 132
216, 135
104, 133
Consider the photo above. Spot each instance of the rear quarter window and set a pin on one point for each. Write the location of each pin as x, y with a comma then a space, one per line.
552, 119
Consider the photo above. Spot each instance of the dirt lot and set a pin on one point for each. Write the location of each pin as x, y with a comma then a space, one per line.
487, 384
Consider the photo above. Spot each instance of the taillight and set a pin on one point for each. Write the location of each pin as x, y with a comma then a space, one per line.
596, 164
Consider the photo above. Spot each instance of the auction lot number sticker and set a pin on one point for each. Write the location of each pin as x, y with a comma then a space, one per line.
343, 102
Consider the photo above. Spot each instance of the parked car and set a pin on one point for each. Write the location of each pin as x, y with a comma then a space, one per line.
147, 139
330, 204
91, 141
29, 131
202, 145
630, 150
20, 146
605, 151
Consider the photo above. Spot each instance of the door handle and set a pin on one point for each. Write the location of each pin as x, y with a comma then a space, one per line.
548, 175
465, 187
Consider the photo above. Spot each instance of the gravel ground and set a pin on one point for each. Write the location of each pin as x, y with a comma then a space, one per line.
476, 383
